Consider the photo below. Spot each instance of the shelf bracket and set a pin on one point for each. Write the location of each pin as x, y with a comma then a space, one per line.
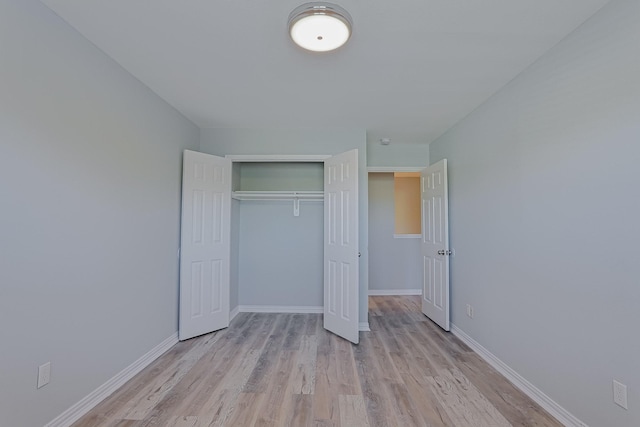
296, 207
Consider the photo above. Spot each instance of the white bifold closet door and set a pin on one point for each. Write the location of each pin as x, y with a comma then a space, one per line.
205, 244
341, 253
206, 250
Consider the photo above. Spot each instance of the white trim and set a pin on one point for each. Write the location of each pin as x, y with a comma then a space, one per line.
234, 313
391, 169
392, 292
407, 236
364, 327
553, 408
87, 403
277, 157
280, 309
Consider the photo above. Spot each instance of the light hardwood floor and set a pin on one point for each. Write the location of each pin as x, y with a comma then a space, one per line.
286, 370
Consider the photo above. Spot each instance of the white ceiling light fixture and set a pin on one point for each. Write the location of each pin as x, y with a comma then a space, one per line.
320, 26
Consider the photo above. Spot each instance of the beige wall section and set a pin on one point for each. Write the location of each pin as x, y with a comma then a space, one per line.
406, 174
407, 201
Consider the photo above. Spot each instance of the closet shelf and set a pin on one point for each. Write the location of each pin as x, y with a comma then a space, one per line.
278, 195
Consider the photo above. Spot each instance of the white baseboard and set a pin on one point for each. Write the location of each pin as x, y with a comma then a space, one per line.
364, 327
391, 292
280, 309
234, 313
557, 411
76, 411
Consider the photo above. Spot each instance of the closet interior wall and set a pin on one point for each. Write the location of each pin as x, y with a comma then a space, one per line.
277, 257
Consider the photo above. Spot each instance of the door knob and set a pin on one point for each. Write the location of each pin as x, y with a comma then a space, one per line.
441, 252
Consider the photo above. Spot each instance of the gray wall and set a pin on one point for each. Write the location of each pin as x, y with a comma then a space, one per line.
394, 264
90, 171
234, 277
300, 142
544, 215
280, 258
281, 176
396, 154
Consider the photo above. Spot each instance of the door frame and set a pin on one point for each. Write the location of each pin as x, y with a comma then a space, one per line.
280, 158
392, 169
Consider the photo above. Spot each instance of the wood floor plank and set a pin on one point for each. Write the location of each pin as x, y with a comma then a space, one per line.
276, 402
494, 417
124, 423
137, 397
221, 406
325, 409
286, 370
246, 410
189, 421
303, 380
312, 324
353, 411
465, 410
377, 405
509, 400
325, 396
345, 368
406, 410
301, 413
204, 378
427, 404
261, 375
297, 326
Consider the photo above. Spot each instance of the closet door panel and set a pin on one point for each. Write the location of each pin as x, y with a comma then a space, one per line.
341, 281
205, 244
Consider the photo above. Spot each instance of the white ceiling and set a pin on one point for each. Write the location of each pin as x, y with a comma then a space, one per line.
412, 69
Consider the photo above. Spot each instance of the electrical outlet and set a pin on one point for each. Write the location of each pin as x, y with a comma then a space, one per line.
620, 394
470, 310
44, 374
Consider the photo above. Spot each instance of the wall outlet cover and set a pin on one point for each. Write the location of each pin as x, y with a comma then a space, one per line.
620, 394
44, 374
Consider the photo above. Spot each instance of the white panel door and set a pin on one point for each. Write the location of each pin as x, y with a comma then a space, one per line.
205, 246
341, 283
435, 244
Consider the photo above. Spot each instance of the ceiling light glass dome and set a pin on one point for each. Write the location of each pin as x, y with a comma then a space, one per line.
319, 26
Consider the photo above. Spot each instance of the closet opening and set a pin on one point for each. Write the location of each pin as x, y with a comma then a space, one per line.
270, 236
277, 225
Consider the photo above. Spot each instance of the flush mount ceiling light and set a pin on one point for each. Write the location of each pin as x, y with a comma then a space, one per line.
320, 26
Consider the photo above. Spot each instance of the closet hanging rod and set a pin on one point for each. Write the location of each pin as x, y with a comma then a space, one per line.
278, 195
